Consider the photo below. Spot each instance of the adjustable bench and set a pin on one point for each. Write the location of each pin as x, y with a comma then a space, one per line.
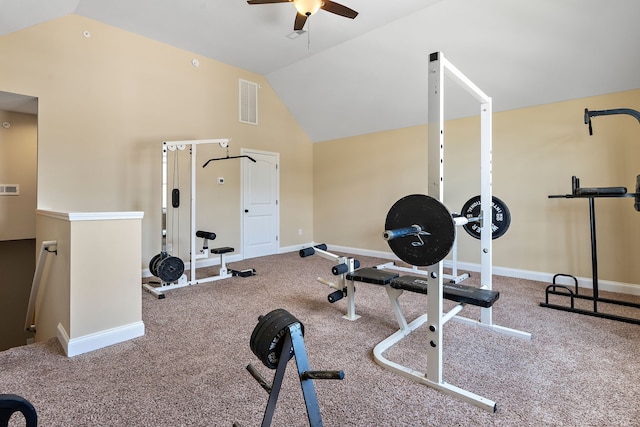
454, 292
223, 273
372, 275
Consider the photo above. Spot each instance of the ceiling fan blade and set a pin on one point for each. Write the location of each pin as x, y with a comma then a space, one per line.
299, 22
338, 9
267, 1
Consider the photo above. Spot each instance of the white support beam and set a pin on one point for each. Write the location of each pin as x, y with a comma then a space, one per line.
435, 173
435, 318
462, 80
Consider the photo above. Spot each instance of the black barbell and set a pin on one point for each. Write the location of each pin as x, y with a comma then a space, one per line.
421, 231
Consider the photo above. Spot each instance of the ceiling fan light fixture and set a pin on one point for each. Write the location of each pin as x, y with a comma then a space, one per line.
307, 7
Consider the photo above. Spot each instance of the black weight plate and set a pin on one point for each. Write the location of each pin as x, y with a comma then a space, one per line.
266, 339
270, 343
433, 217
258, 331
500, 217
152, 264
170, 269
159, 258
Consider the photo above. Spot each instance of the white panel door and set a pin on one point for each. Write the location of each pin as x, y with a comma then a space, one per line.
260, 192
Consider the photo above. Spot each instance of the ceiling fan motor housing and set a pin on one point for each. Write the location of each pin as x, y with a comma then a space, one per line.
307, 7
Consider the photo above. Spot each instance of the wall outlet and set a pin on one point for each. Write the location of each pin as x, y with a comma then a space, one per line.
220, 180
299, 231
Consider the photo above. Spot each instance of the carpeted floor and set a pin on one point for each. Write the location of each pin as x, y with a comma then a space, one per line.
189, 368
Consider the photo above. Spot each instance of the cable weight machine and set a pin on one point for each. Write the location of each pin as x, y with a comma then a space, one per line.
171, 269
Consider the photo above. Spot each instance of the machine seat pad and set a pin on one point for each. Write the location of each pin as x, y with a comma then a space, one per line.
222, 250
454, 292
601, 191
372, 275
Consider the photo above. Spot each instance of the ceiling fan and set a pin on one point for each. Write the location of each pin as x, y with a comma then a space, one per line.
306, 8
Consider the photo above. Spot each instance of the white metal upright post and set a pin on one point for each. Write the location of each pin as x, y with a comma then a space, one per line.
486, 194
436, 189
193, 224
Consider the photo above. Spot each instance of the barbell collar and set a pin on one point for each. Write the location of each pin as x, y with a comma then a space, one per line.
460, 220
403, 232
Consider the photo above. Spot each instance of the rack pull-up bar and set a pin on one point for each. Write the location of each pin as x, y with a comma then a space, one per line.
588, 114
229, 157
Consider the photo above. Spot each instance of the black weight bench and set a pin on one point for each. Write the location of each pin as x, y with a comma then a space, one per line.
372, 275
223, 269
222, 250
454, 292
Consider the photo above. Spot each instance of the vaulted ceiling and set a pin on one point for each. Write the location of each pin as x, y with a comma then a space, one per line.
344, 77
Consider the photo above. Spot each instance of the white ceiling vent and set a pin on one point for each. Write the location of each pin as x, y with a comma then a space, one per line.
248, 102
9, 189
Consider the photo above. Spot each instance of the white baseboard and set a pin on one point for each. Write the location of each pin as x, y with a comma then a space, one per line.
295, 248
583, 282
75, 346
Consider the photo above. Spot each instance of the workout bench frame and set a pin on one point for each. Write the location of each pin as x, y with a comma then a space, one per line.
405, 328
223, 273
343, 285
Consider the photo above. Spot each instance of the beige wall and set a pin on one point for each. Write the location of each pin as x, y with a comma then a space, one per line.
105, 292
90, 294
18, 148
535, 152
106, 103
53, 304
